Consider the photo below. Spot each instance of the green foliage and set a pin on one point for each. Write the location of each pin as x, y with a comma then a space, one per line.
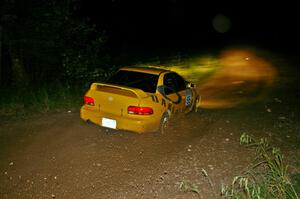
16, 104
47, 97
267, 176
188, 186
295, 177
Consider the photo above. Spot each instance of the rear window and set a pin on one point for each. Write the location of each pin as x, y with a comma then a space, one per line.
144, 81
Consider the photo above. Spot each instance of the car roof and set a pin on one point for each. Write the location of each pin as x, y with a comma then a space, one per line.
151, 69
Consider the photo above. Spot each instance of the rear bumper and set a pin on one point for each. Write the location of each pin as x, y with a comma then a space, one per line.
143, 125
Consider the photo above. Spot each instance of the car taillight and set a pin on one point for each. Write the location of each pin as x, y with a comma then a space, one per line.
89, 100
139, 110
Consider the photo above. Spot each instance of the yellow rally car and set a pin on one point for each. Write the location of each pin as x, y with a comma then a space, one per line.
138, 99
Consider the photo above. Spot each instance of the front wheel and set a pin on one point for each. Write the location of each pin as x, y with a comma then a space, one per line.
196, 104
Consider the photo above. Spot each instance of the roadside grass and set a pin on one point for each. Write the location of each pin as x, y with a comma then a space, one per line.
266, 177
295, 177
21, 103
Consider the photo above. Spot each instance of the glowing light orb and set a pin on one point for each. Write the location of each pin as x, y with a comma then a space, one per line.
221, 23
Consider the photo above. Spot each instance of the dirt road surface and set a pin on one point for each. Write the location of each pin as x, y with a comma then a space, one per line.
59, 156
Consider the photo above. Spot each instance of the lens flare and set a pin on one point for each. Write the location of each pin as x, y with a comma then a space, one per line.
221, 23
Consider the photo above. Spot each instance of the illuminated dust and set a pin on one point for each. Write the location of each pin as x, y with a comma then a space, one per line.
235, 77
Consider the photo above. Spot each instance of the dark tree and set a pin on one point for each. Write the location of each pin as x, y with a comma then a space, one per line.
45, 41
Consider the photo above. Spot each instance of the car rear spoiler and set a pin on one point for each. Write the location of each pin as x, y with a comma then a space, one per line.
138, 93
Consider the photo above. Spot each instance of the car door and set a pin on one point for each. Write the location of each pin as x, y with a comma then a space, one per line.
183, 91
173, 92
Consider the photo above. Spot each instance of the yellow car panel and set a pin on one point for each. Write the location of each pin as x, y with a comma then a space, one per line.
137, 99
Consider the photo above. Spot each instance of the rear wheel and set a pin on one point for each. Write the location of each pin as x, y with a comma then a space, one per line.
163, 123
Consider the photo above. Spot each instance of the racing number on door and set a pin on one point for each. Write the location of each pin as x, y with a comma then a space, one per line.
188, 97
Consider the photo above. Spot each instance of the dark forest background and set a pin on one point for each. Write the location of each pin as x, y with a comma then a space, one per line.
44, 41
50, 51
48, 54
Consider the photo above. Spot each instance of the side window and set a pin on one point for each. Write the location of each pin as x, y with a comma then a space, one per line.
180, 83
169, 83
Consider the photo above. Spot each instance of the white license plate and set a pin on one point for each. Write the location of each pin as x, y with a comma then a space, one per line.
109, 123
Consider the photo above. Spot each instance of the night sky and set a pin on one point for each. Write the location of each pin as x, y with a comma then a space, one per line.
182, 25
